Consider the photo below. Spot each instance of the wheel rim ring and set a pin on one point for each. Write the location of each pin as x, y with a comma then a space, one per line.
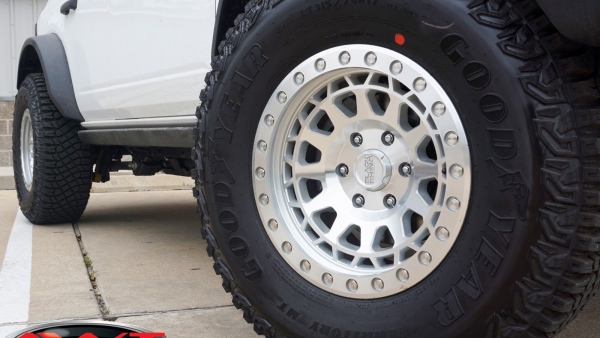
281, 225
27, 149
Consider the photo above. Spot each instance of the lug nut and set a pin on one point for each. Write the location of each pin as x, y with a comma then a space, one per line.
357, 139
390, 201
405, 169
343, 170
388, 138
359, 201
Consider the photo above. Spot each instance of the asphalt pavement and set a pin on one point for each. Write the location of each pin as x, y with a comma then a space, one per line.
134, 257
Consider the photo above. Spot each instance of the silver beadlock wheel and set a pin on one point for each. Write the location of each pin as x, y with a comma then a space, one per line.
361, 171
27, 157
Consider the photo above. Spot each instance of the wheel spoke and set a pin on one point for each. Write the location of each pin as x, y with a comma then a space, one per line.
422, 170
314, 170
320, 202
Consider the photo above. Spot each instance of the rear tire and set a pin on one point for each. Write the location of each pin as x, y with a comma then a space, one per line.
526, 259
53, 169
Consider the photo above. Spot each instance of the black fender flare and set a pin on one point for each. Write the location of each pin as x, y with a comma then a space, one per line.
46, 54
227, 11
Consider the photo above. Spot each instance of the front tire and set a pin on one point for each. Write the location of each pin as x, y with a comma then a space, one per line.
524, 257
53, 168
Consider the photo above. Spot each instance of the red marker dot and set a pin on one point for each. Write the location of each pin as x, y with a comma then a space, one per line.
400, 39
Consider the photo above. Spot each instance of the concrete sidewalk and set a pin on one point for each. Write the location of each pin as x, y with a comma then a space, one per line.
149, 268
149, 261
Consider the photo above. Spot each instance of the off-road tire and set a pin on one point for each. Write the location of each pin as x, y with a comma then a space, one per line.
527, 259
62, 171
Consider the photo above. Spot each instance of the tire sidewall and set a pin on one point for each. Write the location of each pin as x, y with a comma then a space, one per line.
473, 281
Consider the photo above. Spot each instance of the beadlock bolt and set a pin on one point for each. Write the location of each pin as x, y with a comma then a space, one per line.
456, 171
425, 258
299, 78
403, 275
439, 109
378, 284
345, 58
420, 84
442, 234
269, 120
451, 138
352, 285
273, 225
370, 58
396, 67
327, 278
286, 247
453, 203
264, 199
305, 265
262, 146
260, 173
320, 65
282, 97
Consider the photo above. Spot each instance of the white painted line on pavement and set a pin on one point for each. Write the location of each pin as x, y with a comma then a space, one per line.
6, 330
15, 276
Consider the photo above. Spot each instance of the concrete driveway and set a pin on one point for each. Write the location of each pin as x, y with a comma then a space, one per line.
134, 257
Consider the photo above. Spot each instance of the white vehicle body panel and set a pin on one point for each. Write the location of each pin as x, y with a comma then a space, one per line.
134, 59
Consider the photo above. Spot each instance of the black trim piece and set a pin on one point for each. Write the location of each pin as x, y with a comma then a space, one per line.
577, 20
180, 137
46, 54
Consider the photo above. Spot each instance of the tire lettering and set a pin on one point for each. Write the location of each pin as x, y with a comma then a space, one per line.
252, 271
502, 227
504, 143
334, 332
291, 313
477, 75
470, 283
489, 257
448, 308
238, 247
493, 108
450, 46
228, 221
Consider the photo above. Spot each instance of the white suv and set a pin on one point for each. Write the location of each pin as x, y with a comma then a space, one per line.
363, 168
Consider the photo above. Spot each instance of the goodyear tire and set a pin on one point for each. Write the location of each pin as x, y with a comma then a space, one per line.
53, 169
504, 244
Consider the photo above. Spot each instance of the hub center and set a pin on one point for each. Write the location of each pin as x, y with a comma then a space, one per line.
373, 170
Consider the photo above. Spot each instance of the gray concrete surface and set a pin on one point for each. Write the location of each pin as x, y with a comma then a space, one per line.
60, 287
149, 253
218, 322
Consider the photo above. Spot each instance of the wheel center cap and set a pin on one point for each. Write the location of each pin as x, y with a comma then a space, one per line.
373, 170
